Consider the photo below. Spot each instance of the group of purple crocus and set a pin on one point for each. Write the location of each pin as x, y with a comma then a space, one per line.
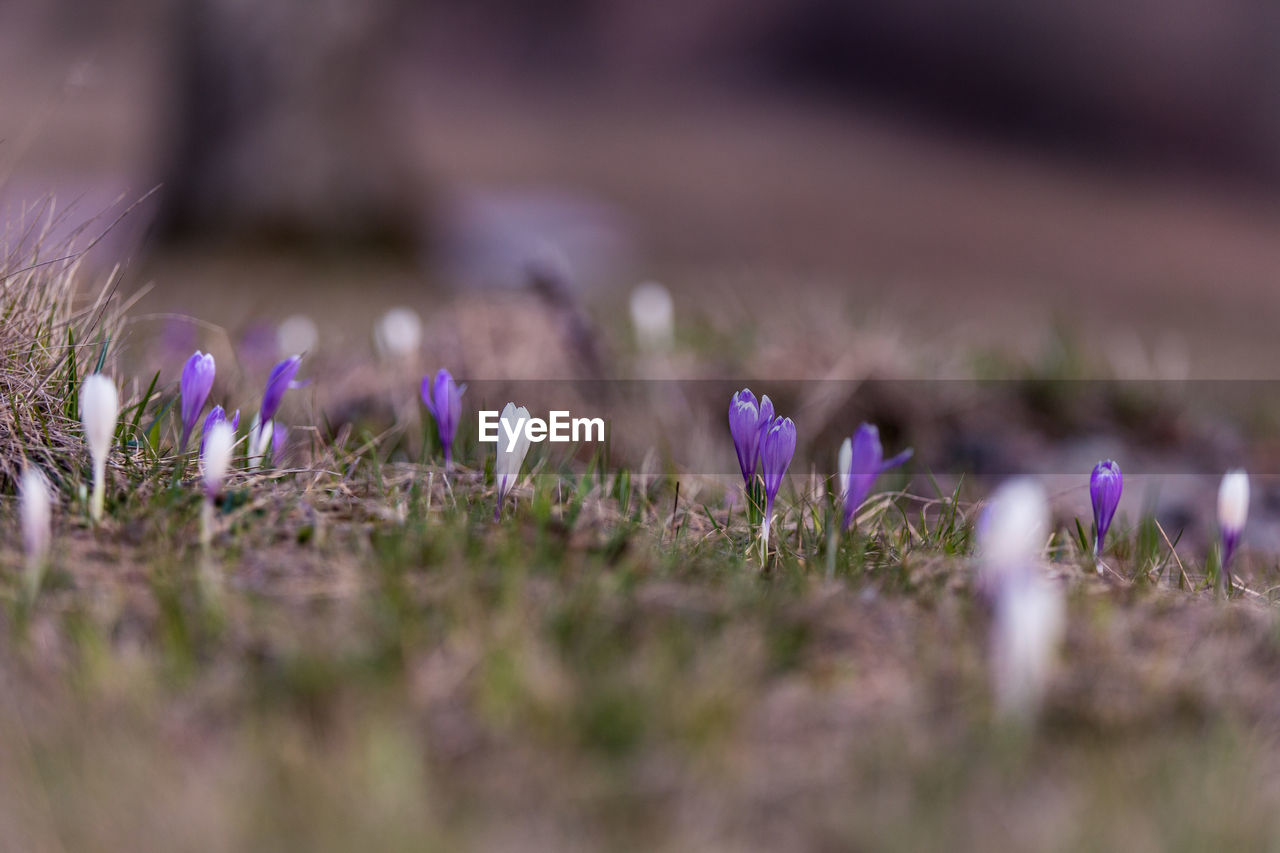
265, 435
765, 444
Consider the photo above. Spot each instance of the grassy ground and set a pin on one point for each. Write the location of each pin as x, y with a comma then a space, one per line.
365, 659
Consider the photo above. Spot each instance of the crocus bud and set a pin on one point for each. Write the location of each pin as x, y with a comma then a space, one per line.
36, 510
1233, 510
197, 381
99, 408
776, 450
397, 336
296, 333
1013, 528
215, 461
510, 455
653, 316
748, 420
1026, 633
280, 380
443, 399
860, 461
1105, 485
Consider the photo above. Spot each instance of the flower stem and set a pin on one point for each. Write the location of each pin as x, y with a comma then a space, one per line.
99, 489
206, 522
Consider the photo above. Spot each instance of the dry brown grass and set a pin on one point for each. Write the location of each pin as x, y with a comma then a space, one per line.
51, 334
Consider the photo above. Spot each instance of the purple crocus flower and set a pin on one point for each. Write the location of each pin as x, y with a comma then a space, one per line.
776, 449
861, 460
443, 399
197, 382
748, 421
217, 415
280, 380
1105, 485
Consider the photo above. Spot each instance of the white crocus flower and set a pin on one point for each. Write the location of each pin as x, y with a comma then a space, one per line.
397, 336
653, 316
1029, 611
215, 461
259, 442
1013, 528
296, 334
844, 461
1030, 620
1233, 511
510, 454
99, 408
37, 534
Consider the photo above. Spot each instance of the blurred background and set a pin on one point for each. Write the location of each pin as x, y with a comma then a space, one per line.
973, 172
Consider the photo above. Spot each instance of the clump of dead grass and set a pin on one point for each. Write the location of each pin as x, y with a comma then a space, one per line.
51, 335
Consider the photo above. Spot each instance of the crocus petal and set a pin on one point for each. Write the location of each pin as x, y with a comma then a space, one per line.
776, 452
259, 440
36, 510
443, 399
864, 464
844, 462
1105, 486
1013, 528
426, 390
280, 380
197, 381
1027, 631
279, 442
506, 465
1233, 510
215, 461
744, 428
99, 408
766, 413
216, 415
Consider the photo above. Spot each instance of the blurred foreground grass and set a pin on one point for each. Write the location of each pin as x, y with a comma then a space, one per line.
366, 659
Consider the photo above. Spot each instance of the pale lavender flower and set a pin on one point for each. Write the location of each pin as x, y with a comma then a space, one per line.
197, 382
776, 450
861, 460
1105, 485
1233, 511
443, 399
510, 454
279, 443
